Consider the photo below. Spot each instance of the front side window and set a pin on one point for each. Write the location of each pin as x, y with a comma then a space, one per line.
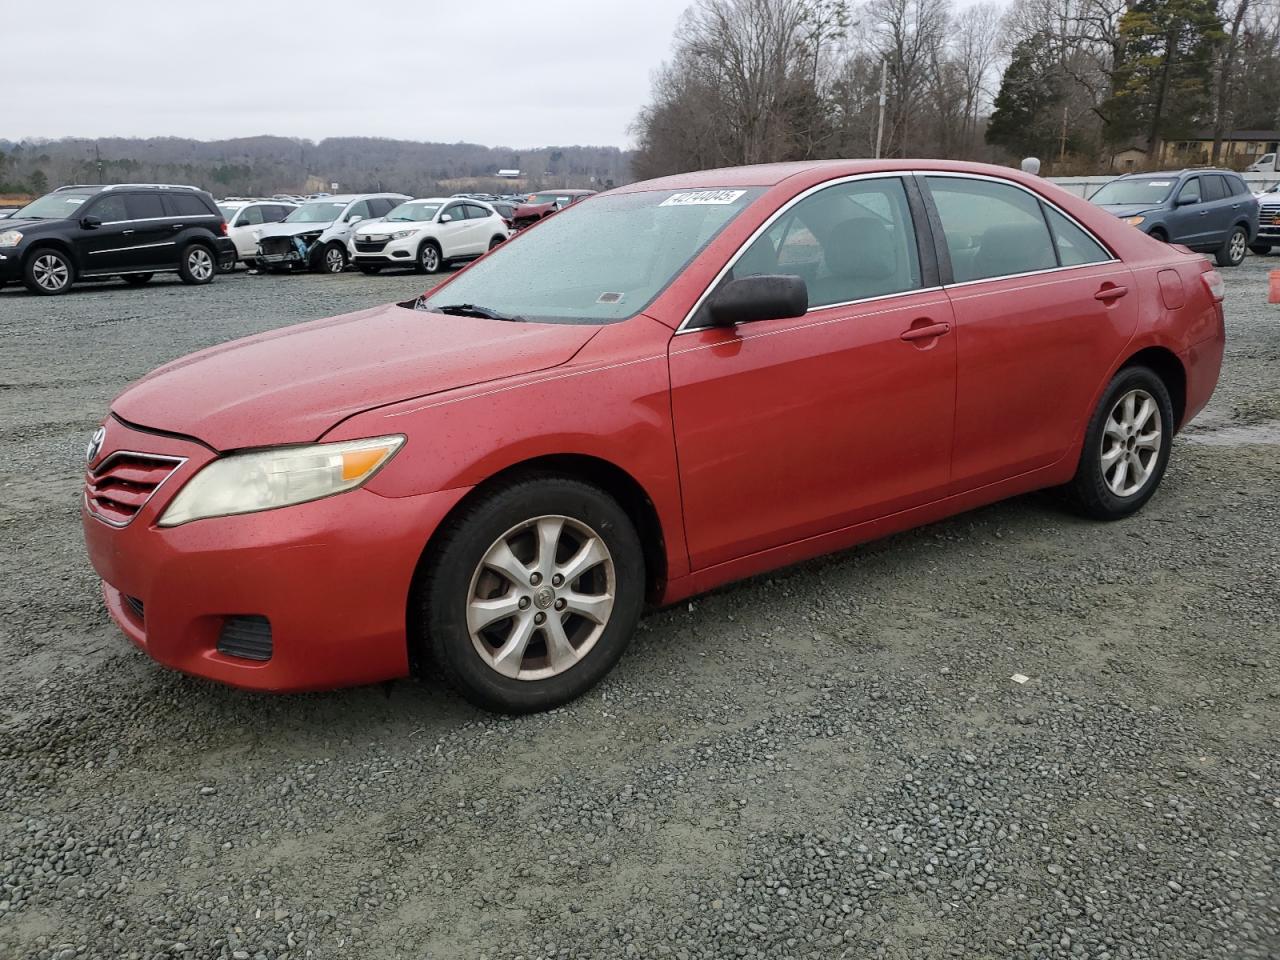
1190, 192
847, 242
599, 261
454, 213
360, 210
991, 229
110, 208
250, 217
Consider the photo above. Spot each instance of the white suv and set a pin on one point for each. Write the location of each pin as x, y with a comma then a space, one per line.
315, 235
245, 218
427, 234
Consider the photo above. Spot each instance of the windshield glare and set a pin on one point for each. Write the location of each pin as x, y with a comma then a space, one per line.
414, 210
1149, 191
54, 206
600, 260
321, 211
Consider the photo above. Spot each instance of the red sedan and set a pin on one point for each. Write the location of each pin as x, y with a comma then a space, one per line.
667, 387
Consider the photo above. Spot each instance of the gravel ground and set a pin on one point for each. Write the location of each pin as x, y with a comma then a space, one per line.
828, 762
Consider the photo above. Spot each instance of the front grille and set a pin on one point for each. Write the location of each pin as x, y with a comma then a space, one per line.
1269, 215
522, 222
370, 246
247, 637
120, 486
134, 604
276, 246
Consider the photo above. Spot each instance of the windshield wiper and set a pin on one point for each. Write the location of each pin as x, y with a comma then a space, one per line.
474, 310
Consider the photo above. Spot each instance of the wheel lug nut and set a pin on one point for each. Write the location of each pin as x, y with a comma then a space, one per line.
539, 617
560, 604
524, 603
535, 578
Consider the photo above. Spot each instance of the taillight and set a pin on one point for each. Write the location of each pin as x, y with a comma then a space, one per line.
1214, 284
222, 227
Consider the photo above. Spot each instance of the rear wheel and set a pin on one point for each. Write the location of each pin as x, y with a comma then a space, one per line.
1126, 447
532, 594
137, 279
48, 272
429, 258
196, 265
1261, 249
1231, 253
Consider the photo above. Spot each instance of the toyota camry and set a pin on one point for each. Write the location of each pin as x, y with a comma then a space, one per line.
666, 387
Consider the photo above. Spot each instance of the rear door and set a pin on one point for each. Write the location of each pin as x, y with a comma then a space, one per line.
1220, 203
788, 429
1042, 310
153, 232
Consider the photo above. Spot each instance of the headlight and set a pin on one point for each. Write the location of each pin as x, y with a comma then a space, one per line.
1134, 221
10, 238
402, 234
278, 477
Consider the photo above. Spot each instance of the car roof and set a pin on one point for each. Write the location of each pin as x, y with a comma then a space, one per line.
1166, 174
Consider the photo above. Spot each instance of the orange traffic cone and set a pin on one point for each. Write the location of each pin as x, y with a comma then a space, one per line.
1273, 295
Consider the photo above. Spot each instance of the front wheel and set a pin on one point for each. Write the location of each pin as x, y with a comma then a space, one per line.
429, 258
1231, 253
532, 594
333, 260
1261, 249
137, 279
48, 272
369, 269
1126, 447
496, 242
196, 266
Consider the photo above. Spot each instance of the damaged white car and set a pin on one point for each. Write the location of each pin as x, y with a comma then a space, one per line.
314, 237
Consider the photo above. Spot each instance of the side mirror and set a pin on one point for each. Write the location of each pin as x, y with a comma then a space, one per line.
355, 218
446, 218
90, 223
763, 297
1186, 201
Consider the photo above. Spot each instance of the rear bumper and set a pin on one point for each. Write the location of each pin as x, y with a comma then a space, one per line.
332, 577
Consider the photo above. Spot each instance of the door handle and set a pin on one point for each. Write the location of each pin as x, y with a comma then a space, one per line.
178, 226
926, 331
125, 233
1109, 293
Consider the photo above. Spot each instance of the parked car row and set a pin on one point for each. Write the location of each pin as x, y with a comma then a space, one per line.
1210, 211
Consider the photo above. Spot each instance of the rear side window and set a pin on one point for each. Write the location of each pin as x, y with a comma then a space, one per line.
380, 206
1237, 185
848, 242
476, 213
185, 205
274, 214
144, 206
991, 229
1075, 247
1214, 187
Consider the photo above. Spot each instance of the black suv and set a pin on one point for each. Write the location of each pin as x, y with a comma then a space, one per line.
127, 230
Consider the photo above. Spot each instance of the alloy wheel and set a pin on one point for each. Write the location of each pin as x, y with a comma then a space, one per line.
51, 272
430, 259
541, 597
334, 261
1239, 243
1131, 439
200, 264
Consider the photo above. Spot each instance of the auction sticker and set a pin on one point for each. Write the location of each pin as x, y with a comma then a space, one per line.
697, 197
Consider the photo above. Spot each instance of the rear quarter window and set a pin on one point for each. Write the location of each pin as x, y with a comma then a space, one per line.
186, 205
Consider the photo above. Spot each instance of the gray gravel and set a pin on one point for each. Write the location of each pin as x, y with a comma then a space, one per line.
828, 762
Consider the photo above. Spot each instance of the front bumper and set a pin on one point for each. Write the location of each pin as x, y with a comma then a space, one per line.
285, 251
331, 577
1269, 225
10, 265
403, 252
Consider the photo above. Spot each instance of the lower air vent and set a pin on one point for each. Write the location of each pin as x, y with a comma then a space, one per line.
134, 604
246, 637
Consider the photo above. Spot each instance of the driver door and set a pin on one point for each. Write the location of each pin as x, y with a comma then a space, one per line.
452, 234
788, 429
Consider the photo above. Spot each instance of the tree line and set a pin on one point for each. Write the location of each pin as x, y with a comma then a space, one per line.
1070, 81
265, 165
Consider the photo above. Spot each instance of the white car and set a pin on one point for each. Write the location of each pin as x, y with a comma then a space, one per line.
245, 219
427, 234
315, 235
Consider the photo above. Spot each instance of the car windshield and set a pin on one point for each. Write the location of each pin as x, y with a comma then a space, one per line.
601, 260
550, 198
414, 210
1149, 190
54, 206
318, 211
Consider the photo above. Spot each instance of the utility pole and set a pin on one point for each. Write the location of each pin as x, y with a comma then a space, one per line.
884, 85
1062, 152
98, 157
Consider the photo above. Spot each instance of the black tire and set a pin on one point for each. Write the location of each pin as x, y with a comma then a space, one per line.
197, 265
137, 279
48, 272
444, 590
496, 241
332, 259
1261, 249
1158, 234
1089, 492
430, 259
1231, 253
369, 269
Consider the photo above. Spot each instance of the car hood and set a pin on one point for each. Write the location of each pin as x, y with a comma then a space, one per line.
294, 384
1127, 209
293, 229
391, 226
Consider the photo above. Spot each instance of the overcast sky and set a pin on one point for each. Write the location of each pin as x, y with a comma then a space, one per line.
497, 72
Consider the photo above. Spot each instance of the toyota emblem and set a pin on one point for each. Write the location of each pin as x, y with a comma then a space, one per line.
95, 444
